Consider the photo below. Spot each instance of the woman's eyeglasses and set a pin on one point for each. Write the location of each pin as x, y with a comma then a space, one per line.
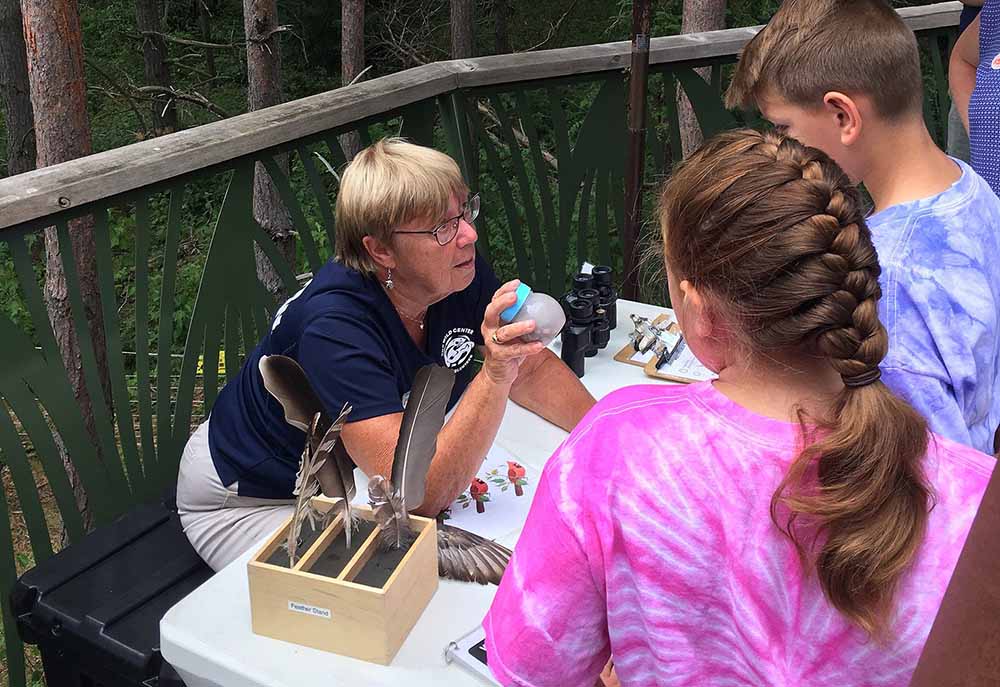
445, 232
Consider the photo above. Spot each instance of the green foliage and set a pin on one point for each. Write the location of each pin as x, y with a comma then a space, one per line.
311, 64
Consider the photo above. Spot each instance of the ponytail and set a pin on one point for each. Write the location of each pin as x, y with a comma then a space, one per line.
868, 505
775, 232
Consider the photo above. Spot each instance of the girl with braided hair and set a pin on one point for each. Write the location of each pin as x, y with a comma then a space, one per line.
792, 522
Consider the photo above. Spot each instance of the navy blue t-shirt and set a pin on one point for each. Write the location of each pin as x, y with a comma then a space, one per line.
344, 332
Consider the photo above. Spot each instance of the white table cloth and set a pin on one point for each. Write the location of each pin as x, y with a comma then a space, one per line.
207, 636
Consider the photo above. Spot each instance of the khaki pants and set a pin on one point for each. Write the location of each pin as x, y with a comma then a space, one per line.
219, 523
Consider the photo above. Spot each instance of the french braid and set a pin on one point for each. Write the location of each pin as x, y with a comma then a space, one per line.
774, 232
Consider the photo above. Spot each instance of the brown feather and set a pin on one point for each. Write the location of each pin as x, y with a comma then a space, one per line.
418, 432
306, 486
392, 499
285, 379
391, 517
330, 476
333, 468
467, 557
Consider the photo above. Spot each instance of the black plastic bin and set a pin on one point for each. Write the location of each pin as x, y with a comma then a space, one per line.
94, 608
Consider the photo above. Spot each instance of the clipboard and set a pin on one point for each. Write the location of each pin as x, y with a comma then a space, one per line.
682, 368
469, 651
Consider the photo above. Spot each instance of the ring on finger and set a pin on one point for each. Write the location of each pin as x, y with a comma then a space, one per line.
497, 341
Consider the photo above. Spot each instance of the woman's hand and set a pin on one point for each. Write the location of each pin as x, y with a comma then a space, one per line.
504, 350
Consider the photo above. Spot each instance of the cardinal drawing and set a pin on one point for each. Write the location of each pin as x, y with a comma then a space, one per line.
515, 473
480, 493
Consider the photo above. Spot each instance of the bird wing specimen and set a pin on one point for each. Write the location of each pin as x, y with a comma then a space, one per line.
325, 464
467, 557
391, 500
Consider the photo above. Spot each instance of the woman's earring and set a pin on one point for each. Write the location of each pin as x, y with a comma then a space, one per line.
388, 279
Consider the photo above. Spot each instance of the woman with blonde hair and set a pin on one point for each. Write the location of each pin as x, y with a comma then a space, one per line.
792, 522
406, 289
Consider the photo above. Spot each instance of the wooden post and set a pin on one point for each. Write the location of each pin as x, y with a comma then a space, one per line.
636, 161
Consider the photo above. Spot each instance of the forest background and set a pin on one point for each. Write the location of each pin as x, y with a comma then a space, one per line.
200, 70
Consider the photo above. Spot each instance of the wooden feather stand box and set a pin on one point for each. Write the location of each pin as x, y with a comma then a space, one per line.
355, 581
359, 601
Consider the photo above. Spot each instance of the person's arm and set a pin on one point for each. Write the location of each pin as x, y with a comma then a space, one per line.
546, 386
547, 625
467, 436
963, 649
962, 69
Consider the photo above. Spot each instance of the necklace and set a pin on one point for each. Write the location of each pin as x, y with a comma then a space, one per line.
419, 321
411, 318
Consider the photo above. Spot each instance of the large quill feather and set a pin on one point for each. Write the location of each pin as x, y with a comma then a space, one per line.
330, 465
391, 500
418, 432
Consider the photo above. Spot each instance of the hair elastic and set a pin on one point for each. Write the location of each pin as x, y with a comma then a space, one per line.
863, 379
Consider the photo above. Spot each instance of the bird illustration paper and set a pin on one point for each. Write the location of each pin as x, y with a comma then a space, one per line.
498, 499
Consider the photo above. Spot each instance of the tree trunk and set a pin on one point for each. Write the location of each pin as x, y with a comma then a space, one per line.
501, 15
260, 22
352, 59
699, 15
462, 46
205, 29
62, 131
16, 98
461, 29
154, 57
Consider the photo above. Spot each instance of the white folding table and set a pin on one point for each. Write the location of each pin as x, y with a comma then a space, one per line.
207, 636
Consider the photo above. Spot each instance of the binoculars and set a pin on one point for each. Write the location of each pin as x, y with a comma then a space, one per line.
591, 314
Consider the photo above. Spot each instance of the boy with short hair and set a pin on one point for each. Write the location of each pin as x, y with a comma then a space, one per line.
844, 76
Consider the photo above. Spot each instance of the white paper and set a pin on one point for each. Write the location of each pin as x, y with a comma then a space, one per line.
643, 357
504, 511
688, 366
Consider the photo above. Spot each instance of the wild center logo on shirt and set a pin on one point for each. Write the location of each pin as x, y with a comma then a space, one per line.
457, 347
996, 62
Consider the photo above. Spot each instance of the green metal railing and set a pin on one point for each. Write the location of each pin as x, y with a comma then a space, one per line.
541, 136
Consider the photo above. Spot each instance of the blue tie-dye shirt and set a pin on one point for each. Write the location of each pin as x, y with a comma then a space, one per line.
940, 299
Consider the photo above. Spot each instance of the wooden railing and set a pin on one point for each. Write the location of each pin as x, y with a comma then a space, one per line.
540, 135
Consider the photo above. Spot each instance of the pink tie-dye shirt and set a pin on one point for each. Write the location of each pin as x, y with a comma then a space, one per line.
650, 538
